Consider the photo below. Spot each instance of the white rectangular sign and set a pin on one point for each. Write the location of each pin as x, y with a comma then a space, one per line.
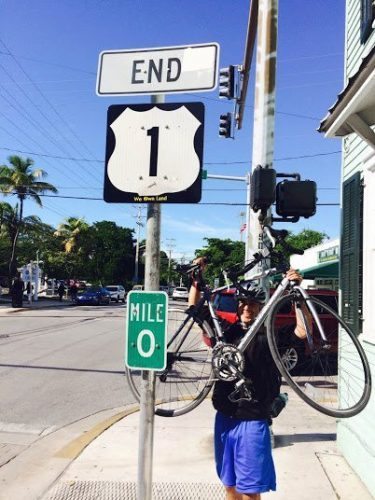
161, 70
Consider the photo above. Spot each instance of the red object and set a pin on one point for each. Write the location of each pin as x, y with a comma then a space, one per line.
243, 227
225, 305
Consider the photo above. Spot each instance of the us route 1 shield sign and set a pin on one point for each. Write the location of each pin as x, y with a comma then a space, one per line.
154, 153
146, 330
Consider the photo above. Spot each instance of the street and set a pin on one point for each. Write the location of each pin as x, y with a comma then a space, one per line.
60, 365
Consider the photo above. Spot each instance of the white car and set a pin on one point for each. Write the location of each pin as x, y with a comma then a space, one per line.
180, 293
117, 292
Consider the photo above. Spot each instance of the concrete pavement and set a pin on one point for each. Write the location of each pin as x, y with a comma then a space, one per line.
308, 463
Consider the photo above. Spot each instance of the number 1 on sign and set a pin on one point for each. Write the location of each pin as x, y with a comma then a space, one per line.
154, 134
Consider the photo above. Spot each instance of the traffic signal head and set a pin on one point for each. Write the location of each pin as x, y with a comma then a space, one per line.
262, 188
225, 125
296, 198
227, 82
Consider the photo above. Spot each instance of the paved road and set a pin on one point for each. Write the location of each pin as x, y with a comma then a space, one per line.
57, 366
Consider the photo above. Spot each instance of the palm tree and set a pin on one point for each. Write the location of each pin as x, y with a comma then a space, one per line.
20, 179
9, 228
72, 231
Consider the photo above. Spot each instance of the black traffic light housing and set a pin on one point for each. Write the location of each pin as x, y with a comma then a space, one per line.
227, 82
262, 188
295, 199
225, 125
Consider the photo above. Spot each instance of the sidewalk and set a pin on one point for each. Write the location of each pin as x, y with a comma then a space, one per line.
42, 303
307, 462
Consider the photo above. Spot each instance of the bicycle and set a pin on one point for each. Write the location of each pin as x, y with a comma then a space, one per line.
198, 354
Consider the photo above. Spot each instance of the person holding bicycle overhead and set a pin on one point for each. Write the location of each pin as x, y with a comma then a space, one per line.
243, 452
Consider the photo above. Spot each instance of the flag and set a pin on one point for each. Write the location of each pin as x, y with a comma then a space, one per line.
242, 228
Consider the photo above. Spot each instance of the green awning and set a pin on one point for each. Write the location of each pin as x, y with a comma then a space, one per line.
328, 270
322, 270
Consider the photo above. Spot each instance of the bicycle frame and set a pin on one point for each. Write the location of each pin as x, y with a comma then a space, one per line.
263, 314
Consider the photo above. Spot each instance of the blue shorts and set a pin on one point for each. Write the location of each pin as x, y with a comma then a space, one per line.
243, 454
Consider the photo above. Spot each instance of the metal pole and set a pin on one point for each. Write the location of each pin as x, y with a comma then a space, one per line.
249, 49
147, 405
264, 107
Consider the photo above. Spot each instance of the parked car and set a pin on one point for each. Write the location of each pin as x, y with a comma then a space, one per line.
95, 295
138, 288
225, 305
117, 292
180, 293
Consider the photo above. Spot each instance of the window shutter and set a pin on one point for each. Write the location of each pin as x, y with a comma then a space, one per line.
367, 16
351, 248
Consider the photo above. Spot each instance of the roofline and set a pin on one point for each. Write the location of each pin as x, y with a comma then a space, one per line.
346, 95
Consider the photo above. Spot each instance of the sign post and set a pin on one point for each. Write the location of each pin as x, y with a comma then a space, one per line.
154, 155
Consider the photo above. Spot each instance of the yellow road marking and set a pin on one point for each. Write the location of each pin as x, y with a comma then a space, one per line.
76, 446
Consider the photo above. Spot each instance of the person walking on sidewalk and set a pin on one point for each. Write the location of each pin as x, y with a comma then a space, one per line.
17, 289
61, 291
28, 291
243, 451
73, 292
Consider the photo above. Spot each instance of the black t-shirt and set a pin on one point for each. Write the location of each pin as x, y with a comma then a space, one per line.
260, 369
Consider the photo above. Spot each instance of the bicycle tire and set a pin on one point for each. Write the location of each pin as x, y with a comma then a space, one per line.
323, 379
188, 377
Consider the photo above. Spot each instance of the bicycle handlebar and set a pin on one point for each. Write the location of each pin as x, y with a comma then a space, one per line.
275, 236
279, 236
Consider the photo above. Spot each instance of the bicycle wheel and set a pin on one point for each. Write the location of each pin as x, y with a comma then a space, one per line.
333, 376
188, 378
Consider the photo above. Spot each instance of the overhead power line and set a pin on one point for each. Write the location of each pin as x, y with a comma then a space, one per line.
241, 162
92, 198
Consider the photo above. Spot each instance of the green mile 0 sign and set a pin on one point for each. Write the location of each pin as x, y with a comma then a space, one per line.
146, 330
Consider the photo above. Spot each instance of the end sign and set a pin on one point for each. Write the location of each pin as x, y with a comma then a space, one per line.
146, 330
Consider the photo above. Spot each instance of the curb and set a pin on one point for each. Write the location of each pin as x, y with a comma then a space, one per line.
12, 310
32, 473
73, 449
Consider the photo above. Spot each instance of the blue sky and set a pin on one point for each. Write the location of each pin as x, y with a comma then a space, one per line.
48, 106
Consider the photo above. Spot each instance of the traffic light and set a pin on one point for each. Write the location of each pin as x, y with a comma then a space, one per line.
262, 188
227, 82
225, 125
296, 198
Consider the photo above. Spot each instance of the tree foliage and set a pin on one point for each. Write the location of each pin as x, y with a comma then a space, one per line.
21, 179
305, 239
221, 254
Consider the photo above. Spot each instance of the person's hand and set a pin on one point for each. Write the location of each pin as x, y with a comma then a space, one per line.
201, 262
197, 275
294, 275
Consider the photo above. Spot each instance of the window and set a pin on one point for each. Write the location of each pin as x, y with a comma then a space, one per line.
367, 18
351, 252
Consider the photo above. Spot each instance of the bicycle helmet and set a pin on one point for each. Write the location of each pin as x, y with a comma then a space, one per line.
251, 293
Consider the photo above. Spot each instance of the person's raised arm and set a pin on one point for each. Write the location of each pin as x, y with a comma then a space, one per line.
197, 281
300, 330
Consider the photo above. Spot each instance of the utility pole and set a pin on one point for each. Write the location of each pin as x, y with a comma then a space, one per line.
264, 108
170, 245
139, 225
147, 403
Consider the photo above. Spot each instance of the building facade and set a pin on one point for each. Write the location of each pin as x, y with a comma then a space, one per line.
352, 118
319, 265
